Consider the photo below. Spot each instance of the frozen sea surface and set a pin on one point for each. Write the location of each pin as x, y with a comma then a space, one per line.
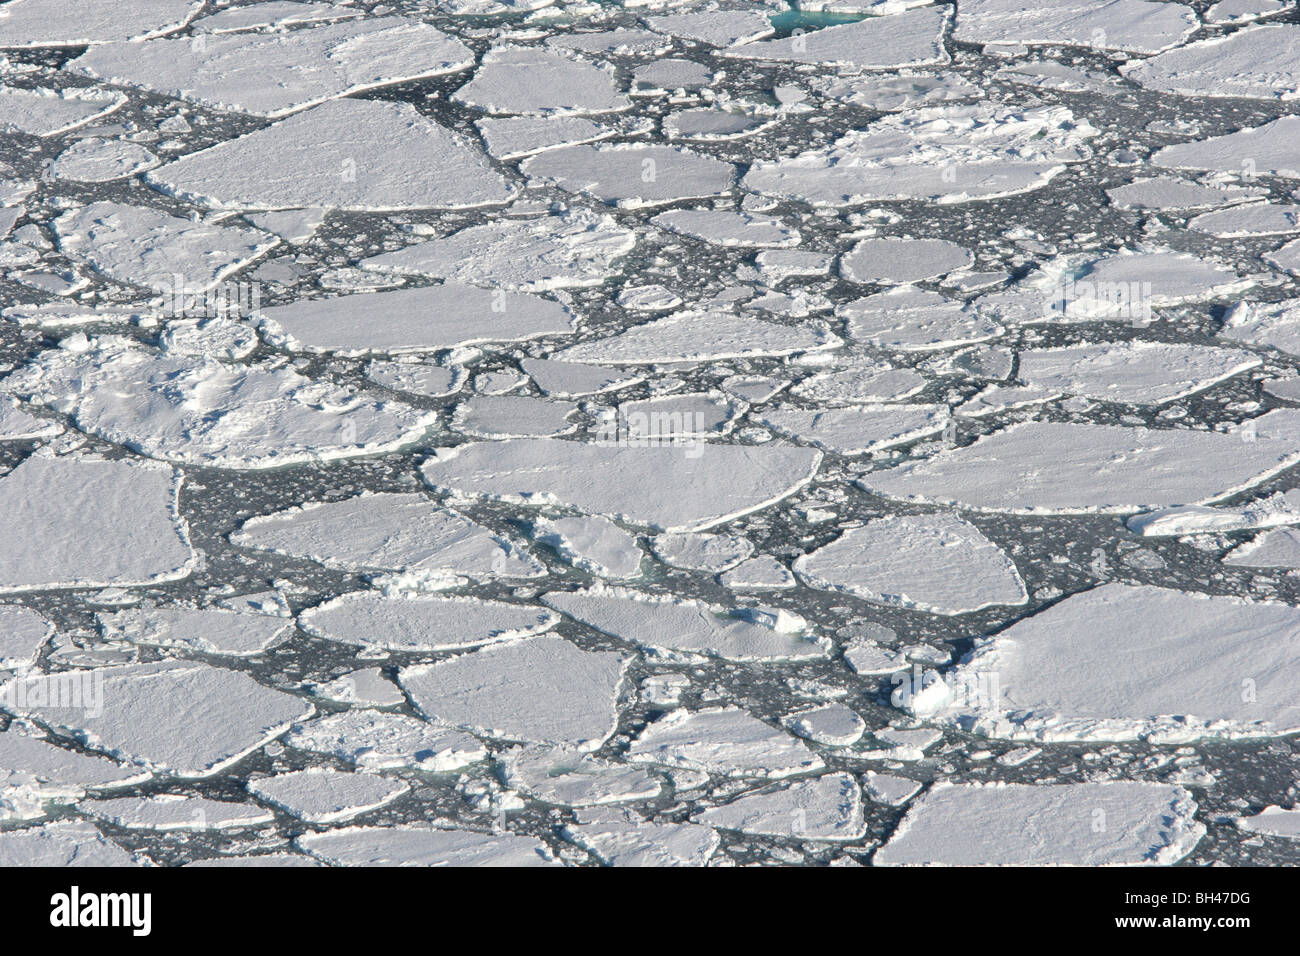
667, 433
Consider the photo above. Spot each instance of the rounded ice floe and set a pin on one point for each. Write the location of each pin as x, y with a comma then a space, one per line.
571, 778
895, 260
951, 153
1051, 467
678, 628
1112, 823
536, 82
915, 320
363, 155
726, 741
726, 227
760, 573
406, 533
866, 384
513, 416
931, 562
373, 740
274, 74
422, 622
1261, 62
824, 808
424, 319
418, 378
833, 725
123, 515
1205, 667
575, 248
206, 630
701, 552
132, 712
1140, 373
699, 337
632, 176
703, 125
540, 690
1137, 26
100, 161
666, 76
1172, 193
172, 812
422, 846
679, 415
914, 38
319, 795
856, 430
667, 487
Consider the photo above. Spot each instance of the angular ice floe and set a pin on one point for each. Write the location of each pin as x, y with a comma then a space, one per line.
1066, 468
666, 487
761, 573
424, 319
198, 410
405, 533
540, 690
319, 795
36, 772
915, 320
1286, 258
575, 248
1170, 192
710, 124
932, 562
528, 81
36, 23
132, 712
905, 39
275, 13
273, 74
942, 153
362, 155
628, 841
824, 808
84, 522
725, 227
621, 41
727, 741
858, 429
1273, 821
365, 687
18, 424
716, 27
1270, 324
632, 176
100, 160
675, 627
903, 260
149, 248
1279, 548
889, 789
866, 384
1256, 219
517, 137
1113, 823
1205, 667
66, 843
423, 846
1269, 150
22, 632
513, 416
1141, 373
699, 337
571, 778
373, 740
594, 544
1262, 62
422, 622
46, 112
1137, 26
701, 552
170, 813
574, 379
205, 630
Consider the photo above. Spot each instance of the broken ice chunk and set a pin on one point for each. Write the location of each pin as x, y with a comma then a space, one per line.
833, 725
1279, 548
726, 227
761, 573
1114, 823
570, 778
101, 161
1273, 821
1269, 324
915, 320
67, 843
541, 690
574, 379
513, 416
638, 843
1269, 150
933, 562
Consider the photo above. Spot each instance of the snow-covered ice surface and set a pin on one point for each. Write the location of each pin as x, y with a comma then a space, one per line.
694, 434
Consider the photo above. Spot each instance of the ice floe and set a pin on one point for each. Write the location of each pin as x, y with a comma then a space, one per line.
36, 23
859, 429
169, 813
422, 622
373, 740
205, 630
422, 846
697, 337
1259, 62
46, 112
914, 38
1137, 26
318, 795
902, 260
727, 741
534, 82
1142, 373
594, 544
632, 176
824, 808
